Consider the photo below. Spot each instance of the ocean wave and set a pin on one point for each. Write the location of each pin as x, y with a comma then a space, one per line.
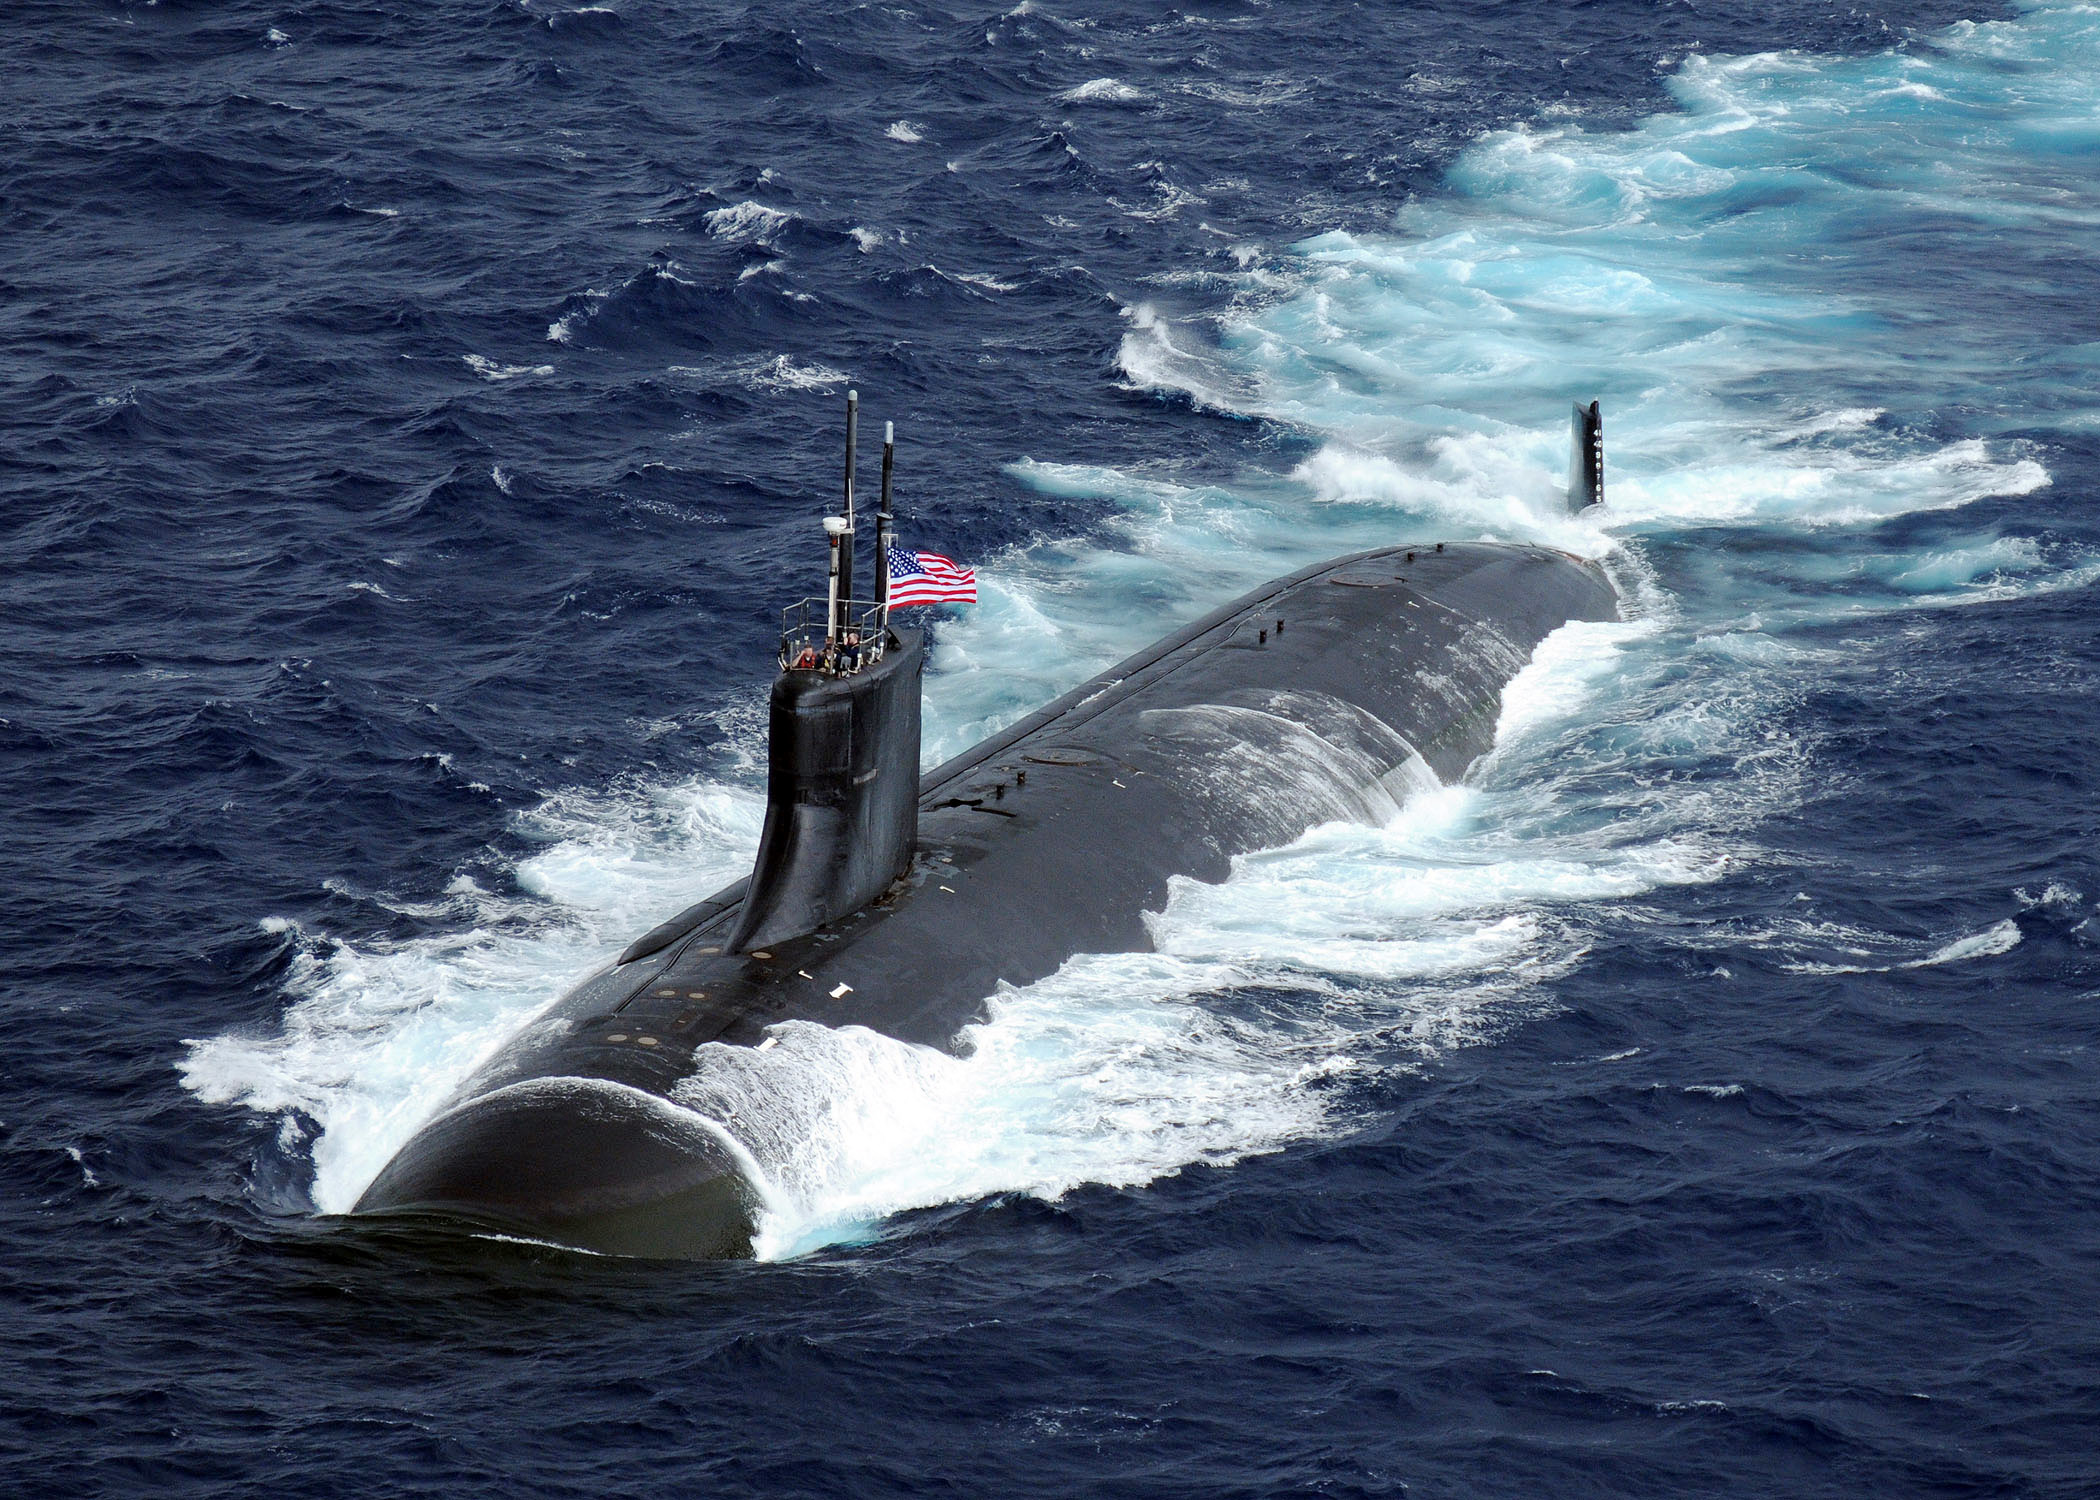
1102, 91
490, 370
746, 221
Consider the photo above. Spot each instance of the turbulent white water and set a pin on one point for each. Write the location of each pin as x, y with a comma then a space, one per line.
380, 1033
1752, 285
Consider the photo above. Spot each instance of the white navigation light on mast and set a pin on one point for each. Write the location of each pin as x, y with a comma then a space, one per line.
836, 531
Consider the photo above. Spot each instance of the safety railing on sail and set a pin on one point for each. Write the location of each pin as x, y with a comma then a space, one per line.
808, 644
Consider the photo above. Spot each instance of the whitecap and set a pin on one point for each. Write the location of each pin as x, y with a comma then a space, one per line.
2000, 938
489, 370
1102, 91
783, 373
746, 221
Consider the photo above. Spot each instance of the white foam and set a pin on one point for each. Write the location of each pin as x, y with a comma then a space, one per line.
1102, 91
906, 132
2000, 938
1239, 97
784, 373
1168, 200
2055, 894
1157, 355
746, 221
379, 1033
1106, 1073
489, 370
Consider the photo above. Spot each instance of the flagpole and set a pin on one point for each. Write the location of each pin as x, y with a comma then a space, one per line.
883, 520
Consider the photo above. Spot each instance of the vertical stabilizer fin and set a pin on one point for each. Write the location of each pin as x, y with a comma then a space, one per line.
1586, 463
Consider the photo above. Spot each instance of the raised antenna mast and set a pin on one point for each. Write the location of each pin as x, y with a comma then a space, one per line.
883, 520
852, 444
854, 634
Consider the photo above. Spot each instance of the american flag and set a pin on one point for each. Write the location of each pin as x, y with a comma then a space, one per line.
928, 578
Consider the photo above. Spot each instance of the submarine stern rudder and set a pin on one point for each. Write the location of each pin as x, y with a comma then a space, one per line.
1586, 458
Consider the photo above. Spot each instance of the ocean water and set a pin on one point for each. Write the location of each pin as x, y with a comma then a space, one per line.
415, 416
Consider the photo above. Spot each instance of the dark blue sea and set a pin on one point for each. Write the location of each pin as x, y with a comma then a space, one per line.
413, 416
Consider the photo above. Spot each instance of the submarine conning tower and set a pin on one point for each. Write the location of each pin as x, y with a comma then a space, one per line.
842, 784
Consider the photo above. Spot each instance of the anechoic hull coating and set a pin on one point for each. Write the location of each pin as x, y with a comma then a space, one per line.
1051, 839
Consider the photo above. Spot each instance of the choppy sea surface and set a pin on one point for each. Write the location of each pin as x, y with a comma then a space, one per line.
412, 417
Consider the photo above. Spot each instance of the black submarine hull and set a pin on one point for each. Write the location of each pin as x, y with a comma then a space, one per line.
1318, 697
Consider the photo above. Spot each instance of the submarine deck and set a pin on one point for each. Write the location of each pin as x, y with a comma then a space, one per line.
1313, 699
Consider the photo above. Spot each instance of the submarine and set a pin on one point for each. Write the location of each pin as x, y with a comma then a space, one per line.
901, 901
